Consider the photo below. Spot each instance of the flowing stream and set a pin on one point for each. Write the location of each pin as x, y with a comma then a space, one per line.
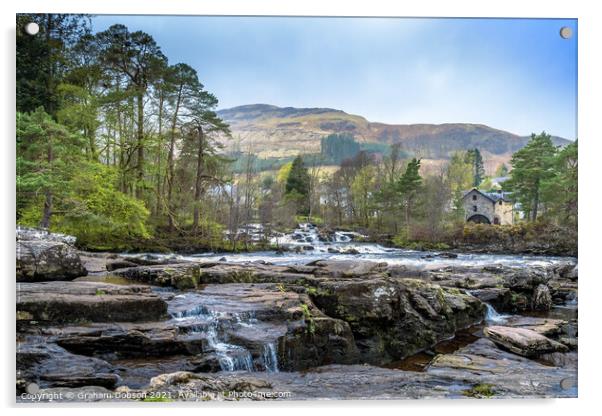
222, 322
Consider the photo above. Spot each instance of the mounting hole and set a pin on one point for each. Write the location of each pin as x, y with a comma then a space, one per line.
566, 32
32, 28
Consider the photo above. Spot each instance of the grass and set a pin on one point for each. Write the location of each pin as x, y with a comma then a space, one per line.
309, 320
480, 391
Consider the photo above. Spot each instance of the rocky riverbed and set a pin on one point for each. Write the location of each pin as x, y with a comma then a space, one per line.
344, 320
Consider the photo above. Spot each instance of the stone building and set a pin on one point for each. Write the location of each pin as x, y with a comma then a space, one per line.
488, 207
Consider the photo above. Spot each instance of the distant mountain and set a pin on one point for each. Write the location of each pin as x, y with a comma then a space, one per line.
273, 131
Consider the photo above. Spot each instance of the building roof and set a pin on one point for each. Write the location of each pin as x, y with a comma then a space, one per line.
492, 196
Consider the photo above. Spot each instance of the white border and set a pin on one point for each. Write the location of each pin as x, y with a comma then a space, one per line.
590, 73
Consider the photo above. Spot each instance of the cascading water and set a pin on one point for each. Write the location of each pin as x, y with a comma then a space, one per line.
494, 316
211, 324
270, 358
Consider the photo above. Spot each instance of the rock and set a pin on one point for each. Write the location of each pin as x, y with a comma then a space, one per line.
544, 326
348, 268
49, 365
522, 341
60, 302
41, 260
498, 373
111, 341
394, 318
207, 363
119, 264
36, 234
196, 387
223, 259
542, 299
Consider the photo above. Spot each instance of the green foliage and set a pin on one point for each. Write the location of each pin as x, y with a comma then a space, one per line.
502, 170
297, 185
85, 200
309, 320
481, 391
532, 166
338, 147
474, 158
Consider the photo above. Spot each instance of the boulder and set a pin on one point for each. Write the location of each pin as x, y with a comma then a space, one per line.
541, 299
62, 302
395, 318
49, 365
522, 341
44, 260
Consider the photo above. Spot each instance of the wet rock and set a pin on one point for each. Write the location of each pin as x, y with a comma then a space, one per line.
507, 375
179, 275
119, 264
207, 363
348, 268
188, 276
60, 302
43, 260
394, 318
316, 341
522, 341
49, 365
153, 339
542, 299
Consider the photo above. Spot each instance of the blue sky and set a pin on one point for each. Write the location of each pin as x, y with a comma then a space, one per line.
518, 75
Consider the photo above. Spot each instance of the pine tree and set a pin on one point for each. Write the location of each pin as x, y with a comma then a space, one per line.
531, 167
297, 185
407, 187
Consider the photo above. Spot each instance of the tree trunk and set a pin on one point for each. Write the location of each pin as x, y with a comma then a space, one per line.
140, 144
198, 182
170, 162
48, 201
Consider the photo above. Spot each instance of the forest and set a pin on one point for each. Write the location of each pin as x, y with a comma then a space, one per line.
123, 149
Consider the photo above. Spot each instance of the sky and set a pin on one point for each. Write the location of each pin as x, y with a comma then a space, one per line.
517, 75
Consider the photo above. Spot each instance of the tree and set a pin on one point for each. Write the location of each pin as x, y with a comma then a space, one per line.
136, 57
501, 171
362, 190
298, 185
559, 192
459, 180
407, 187
338, 147
532, 166
476, 161
44, 59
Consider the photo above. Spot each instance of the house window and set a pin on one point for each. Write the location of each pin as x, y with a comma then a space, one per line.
474, 197
474, 208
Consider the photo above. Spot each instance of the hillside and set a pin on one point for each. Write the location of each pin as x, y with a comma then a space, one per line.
273, 131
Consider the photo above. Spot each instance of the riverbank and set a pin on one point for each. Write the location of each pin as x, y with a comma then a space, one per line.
165, 326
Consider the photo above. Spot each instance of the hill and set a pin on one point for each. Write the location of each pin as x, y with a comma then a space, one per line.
270, 131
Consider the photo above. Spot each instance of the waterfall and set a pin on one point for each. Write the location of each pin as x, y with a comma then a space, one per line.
270, 358
203, 321
493, 316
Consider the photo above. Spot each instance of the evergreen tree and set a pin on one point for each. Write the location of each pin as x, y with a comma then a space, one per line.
407, 187
478, 170
532, 166
297, 185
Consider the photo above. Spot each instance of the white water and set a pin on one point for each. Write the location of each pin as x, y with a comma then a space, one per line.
494, 316
270, 358
303, 245
231, 357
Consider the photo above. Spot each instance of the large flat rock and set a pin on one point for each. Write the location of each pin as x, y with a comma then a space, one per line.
60, 302
522, 341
